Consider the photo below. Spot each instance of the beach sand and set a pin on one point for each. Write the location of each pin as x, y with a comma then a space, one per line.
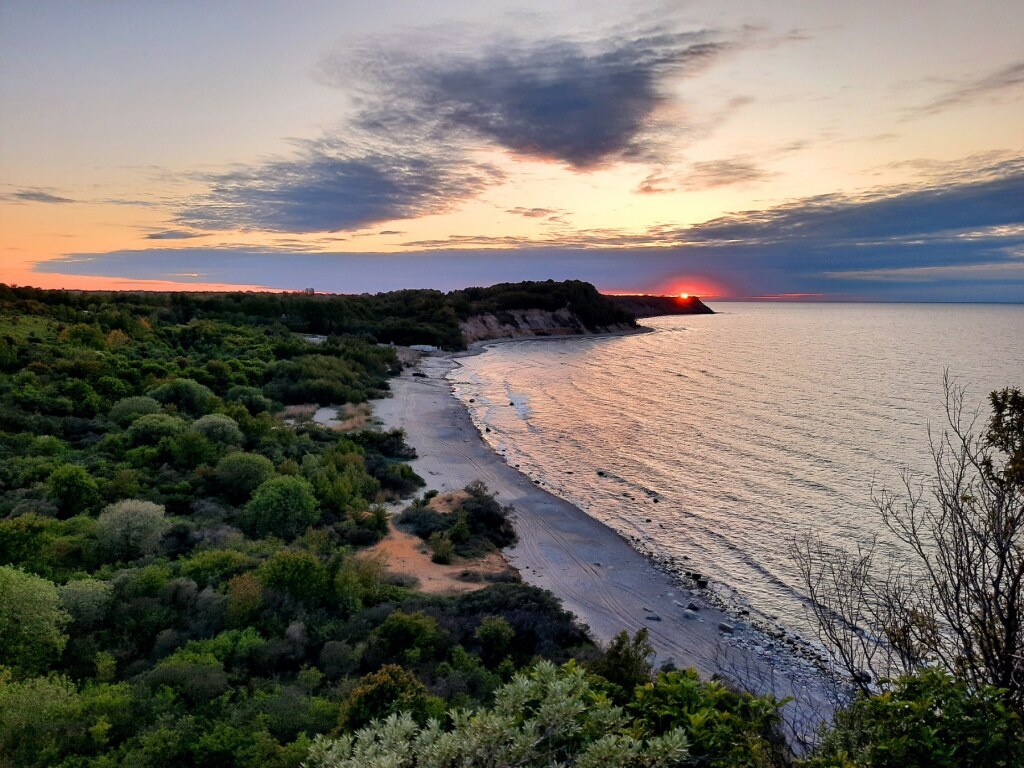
596, 573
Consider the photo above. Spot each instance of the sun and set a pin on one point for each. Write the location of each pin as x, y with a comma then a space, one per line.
684, 295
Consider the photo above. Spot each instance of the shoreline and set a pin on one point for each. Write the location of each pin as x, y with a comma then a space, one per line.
596, 573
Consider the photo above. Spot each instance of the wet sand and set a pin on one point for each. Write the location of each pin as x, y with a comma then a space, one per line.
596, 573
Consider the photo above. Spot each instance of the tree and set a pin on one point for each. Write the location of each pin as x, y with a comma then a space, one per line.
929, 719
626, 663
299, 574
188, 395
283, 507
220, 429
32, 621
961, 605
130, 529
549, 716
72, 489
128, 409
239, 474
388, 691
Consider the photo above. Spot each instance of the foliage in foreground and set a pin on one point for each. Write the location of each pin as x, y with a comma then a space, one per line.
927, 720
550, 716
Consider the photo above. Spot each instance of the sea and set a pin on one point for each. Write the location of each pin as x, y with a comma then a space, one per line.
713, 442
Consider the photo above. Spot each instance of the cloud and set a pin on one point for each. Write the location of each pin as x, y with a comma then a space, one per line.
337, 184
995, 83
555, 99
881, 217
723, 173
423, 111
709, 174
534, 213
173, 234
36, 195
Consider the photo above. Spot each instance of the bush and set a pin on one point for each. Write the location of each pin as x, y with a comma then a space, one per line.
154, 427
32, 620
188, 395
219, 429
128, 409
548, 717
389, 690
211, 566
87, 600
130, 529
239, 474
929, 719
723, 727
283, 507
412, 635
442, 549
72, 489
251, 397
299, 574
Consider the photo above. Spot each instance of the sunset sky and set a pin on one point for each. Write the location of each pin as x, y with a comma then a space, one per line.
735, 148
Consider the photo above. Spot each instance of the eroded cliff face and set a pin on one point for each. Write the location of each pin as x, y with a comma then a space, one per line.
516, 323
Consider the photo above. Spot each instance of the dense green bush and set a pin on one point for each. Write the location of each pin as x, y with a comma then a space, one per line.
926, 720
32, 621
282, 507
130, 529
239, 474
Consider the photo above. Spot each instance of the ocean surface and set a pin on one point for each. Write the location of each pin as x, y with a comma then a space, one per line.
715, 440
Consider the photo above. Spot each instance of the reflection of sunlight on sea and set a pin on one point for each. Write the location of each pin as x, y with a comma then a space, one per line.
720, 438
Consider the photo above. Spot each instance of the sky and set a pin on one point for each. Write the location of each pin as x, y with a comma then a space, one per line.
775, 149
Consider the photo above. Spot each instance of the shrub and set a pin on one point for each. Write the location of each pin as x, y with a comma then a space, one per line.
212, 566
626, 663
188, 395
299, 574
251, 397
389, 690
929, 719
188, 450
72, 489
283, 507
723, 727
154, 427
495, 636
402, 633
128, 409
87, 600
548, 717
219, 429
442, 549
130, 529
239, 474
32, 620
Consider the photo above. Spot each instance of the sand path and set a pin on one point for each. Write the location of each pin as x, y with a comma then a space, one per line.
594, 572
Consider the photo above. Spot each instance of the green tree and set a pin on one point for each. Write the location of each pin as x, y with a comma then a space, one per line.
72, 489
219, 429
130, 529
724, 727
389, 690
239, 474
283, 507
128, 409
929, 720
299, 574
32, 621
87, 601
547, 717
188, 395
495, 636
626, 663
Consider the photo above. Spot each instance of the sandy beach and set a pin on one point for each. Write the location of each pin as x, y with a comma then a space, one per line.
595, 572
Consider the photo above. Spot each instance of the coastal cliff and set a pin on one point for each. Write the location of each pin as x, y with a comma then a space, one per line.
517, 323
642, 305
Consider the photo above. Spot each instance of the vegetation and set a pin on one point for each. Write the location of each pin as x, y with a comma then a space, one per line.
960, 606
183, 579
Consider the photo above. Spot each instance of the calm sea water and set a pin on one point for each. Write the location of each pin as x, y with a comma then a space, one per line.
718, 439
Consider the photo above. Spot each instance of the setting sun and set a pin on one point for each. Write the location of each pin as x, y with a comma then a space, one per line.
684, 295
